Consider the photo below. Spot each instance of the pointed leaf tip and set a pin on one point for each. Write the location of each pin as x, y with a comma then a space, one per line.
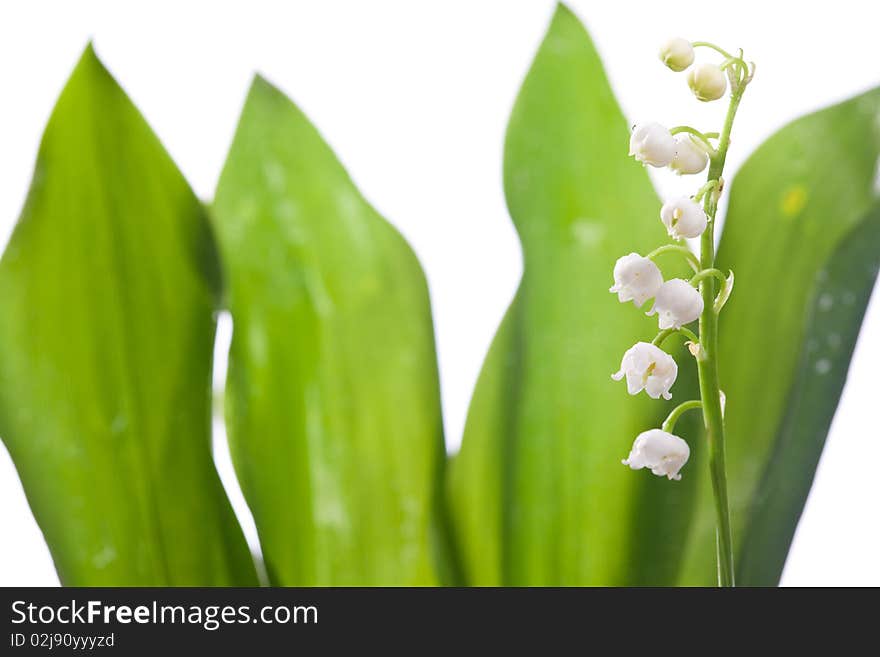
347, 307
105, 392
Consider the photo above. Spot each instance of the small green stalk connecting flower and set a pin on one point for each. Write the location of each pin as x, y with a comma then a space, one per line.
702, 136
665, 333
705, 189
669, 423
708, 273
680, 250
707, 44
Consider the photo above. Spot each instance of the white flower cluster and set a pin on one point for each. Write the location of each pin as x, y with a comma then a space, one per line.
645, 366
653, 144
677, 302
707, 81
684, 153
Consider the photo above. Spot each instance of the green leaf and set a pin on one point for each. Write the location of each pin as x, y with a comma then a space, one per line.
333, 402
789, 329
835, 314
538, 491
107, 292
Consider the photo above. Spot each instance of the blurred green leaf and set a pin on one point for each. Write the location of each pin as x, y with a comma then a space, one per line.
838, 304
539, 495
333, 402
107, 291
788, 332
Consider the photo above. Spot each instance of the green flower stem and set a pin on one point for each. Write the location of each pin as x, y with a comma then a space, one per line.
707, 361
677, 412
665, 333
676, 248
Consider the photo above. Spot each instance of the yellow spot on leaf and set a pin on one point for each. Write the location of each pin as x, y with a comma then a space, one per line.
793, 201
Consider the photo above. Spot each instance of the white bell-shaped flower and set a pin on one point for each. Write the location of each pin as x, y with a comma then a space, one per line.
677, 303
691, 155
677, 54
683, 217
707, 81
652, 144
647, 367
636, 279
660, 451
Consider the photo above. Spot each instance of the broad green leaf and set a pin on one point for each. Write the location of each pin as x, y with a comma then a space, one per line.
333, 400
538, 493
107, 293
788, 331
835, 314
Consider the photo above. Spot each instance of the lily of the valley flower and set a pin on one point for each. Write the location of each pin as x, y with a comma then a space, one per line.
676, 303
662, 452
677, 54
683, 217
648, 368
636, 279
652, 144
691, 155
707, 81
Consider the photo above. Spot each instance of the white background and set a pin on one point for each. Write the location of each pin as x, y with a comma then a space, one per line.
414, 97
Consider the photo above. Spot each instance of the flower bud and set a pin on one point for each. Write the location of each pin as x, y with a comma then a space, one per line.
652, 144
636, 279
677, 303
707, 81
683, 217
690, 155
677, 54
647, 367
662, 452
